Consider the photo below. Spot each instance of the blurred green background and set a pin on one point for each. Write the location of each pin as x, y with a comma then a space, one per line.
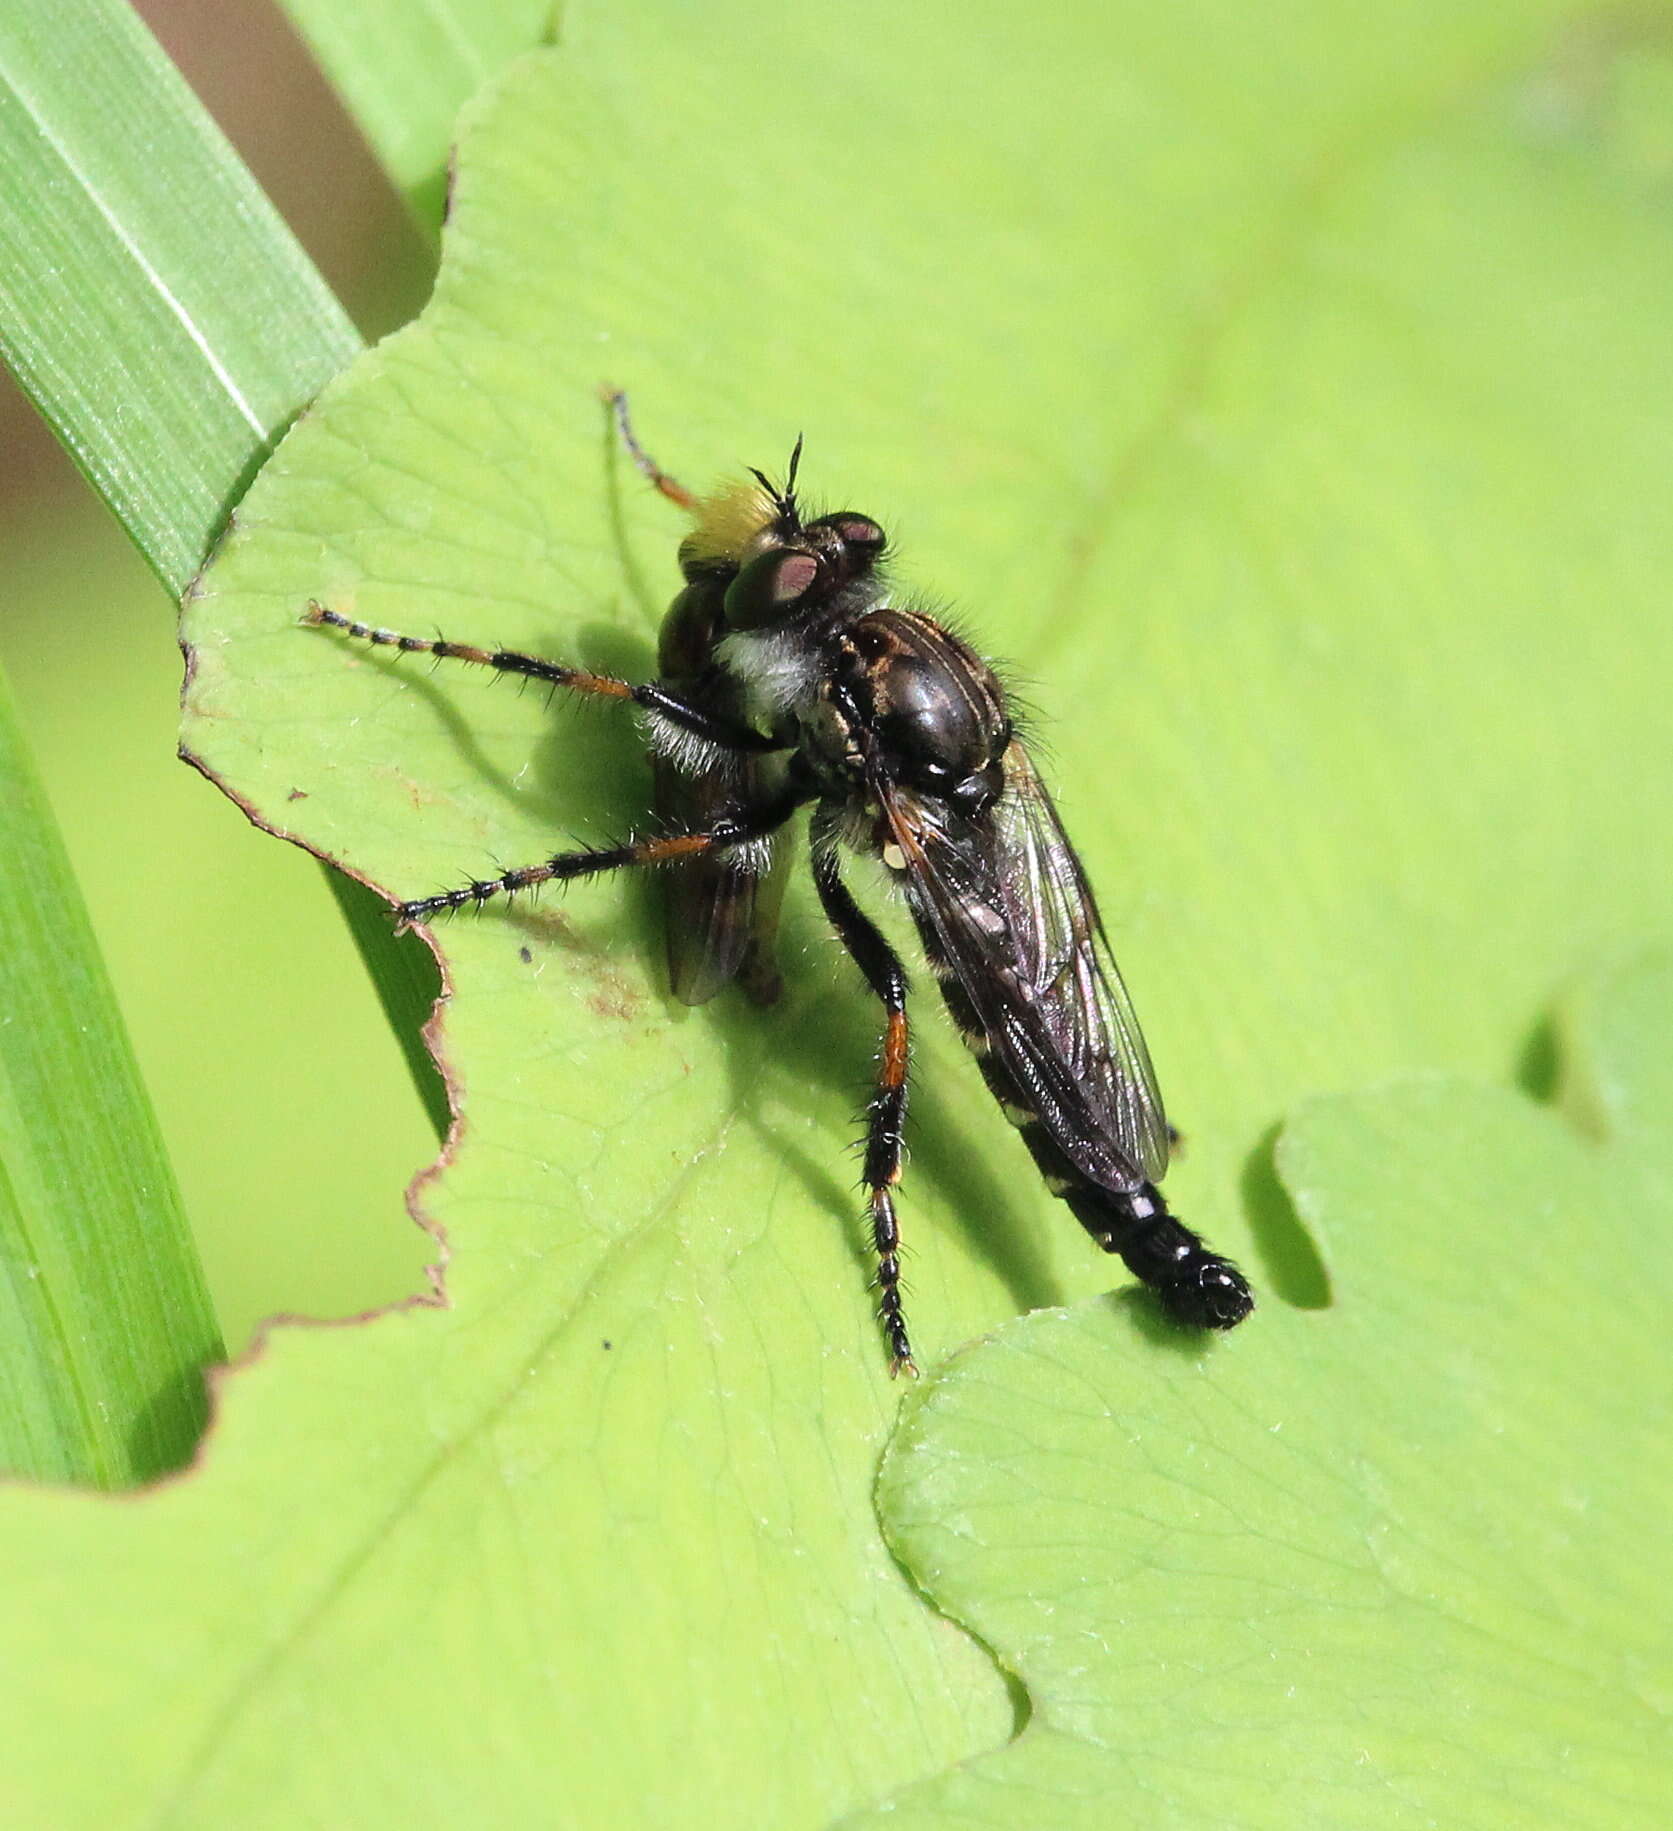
263, 1099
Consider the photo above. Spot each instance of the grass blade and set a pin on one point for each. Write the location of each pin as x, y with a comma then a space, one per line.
105, 1323
168, 326
152, 303
164, 320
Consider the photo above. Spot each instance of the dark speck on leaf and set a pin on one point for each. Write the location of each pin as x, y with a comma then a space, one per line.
297, 794
607, 1344
525, 956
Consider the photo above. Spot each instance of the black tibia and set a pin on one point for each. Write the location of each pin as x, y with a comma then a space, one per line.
875, 958
652, 696
734, 828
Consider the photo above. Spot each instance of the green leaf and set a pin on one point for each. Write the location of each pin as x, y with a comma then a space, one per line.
105, 1325
1381, 1567
1289, 399
405, 71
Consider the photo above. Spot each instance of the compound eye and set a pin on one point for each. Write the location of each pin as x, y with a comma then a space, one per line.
856, 540
859, 531
769, 587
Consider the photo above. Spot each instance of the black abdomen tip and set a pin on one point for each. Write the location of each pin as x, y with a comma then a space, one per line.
1206, 1293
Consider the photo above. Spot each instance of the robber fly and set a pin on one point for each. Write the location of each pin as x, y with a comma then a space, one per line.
789, 679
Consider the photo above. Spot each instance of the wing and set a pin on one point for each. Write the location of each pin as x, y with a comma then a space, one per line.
720, 918
1005, 905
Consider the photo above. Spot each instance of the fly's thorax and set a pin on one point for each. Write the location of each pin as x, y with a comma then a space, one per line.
933, 711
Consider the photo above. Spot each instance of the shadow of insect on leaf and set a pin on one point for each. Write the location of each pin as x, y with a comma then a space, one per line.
1538, 1065
814, 1050
1140, 1311
588, 765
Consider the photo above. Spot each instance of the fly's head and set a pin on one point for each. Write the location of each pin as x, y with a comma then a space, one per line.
772, 566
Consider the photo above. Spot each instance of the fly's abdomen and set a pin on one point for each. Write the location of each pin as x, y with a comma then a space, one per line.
1123, 1212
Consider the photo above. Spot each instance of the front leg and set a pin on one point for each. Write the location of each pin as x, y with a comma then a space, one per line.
662, 705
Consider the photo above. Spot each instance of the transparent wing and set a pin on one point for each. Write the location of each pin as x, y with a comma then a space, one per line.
720, 918
1005, 904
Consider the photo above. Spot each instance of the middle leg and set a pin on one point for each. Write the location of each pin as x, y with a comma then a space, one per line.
885, 1130
737, 827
